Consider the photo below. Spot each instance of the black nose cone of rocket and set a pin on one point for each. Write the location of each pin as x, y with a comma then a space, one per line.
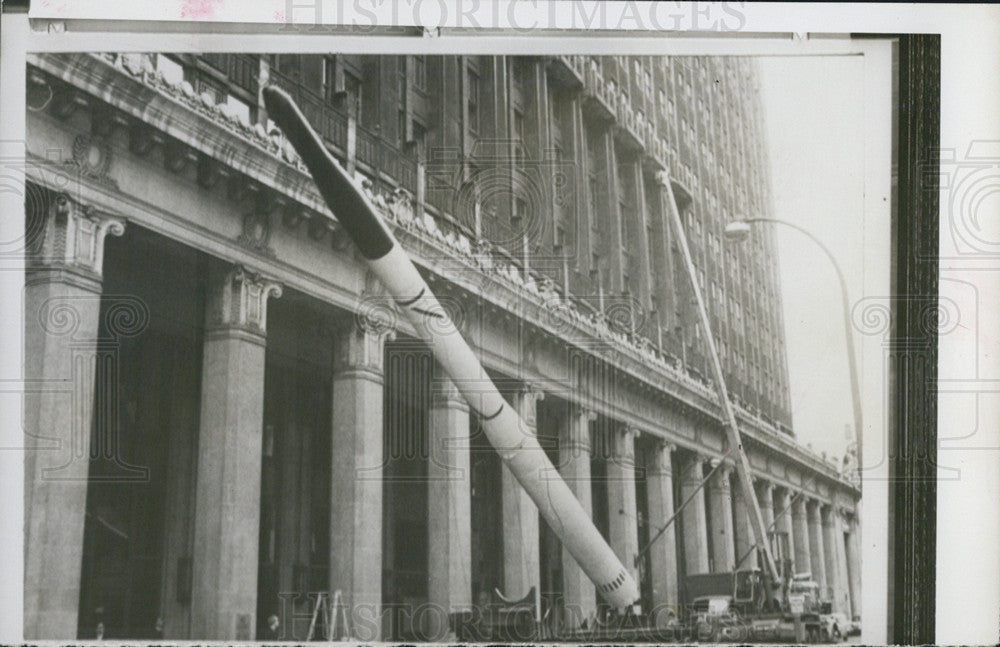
341, 195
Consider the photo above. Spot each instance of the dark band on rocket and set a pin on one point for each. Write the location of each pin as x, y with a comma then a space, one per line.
492, 416
344, 199
410, 302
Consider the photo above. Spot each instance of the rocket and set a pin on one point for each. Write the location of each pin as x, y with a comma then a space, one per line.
503, 427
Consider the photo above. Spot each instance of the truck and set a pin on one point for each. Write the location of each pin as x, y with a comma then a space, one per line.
732, 606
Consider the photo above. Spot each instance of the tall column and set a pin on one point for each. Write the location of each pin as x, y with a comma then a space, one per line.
765, 498
449, 563
61, 312
720, 505
521, 569
783, 523
802, 562
356, 472
663, 552
579, 595
623, 528
816, 554
746, 555
843, 581
834, 565
853, 554
695, 526
227, 509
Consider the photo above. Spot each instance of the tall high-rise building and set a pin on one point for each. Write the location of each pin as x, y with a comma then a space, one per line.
249, 422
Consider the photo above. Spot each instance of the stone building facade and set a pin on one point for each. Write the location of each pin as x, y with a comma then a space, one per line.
230, 415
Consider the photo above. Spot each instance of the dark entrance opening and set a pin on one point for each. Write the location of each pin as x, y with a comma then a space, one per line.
645, 531
408, 376
600, 453
487, 515
549, 547
293, 549
140, 493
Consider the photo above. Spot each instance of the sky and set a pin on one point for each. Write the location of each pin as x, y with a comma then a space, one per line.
814, 112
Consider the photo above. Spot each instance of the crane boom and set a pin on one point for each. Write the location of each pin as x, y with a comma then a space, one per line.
732, 428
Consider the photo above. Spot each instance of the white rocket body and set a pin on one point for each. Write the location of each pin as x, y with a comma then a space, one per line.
517, 446
509, 435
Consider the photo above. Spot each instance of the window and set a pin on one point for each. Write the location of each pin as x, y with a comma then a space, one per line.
555, 126
517, 125
401, 79
419, 72
214, 89
623, 223
519, 213
517, 134
329, 78
473, 101
352, 87
519, 72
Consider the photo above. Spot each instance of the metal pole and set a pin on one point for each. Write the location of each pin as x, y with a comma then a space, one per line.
773, 524
732, 427
848, 330
694, 493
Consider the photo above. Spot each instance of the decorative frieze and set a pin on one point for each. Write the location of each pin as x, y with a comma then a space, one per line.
92, 159
256, 232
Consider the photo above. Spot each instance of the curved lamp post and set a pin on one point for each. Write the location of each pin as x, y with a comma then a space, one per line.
739, 231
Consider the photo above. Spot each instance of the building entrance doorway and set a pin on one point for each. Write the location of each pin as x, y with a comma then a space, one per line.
294, 549
135, 572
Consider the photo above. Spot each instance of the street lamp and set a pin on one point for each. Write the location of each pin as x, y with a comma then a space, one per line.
739, 231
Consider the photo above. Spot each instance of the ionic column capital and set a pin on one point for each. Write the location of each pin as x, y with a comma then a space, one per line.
826, 513
846, 515
588, 415
530, 393
73, 237
799, 507
577, 429
659, 459
445, 395
720, 480
238, 300
624, 441
526, 398
361, 348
